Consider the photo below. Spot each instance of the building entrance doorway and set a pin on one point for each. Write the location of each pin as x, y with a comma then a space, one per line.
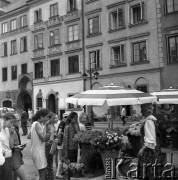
24, 100
51, 103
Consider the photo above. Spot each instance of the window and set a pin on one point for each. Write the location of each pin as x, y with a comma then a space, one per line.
38, 41
13, 47
117, 55
94, 57
142, 88
14, 72
73, 33
93, 25
54, 10
23, 44
73, 64
55, 68
23, 21
4, 27
4, 74
54, 37
71, 5
139, 51
37, 15
4, 49
116, 19
137, 13
171, 6
72, 106
24, 68
173, 49
39, 102
38, 70
13, 24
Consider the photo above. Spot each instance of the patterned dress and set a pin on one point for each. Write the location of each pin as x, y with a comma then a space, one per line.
152, 153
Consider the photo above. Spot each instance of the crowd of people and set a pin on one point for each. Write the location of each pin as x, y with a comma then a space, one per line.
46, 126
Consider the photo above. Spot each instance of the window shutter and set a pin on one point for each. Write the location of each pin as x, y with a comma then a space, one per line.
35, 16
21, 45
141, 9
2, 49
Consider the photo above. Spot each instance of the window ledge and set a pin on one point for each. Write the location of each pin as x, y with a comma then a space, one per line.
69, 42
39, 78
73, 73
23, 51
93, 35
4, 81
14, 79
72, 10
115, 30
138, 24
139, 63
52, 17
59, 75
13, 54
23, 27
171, 13
172, 63
38, 49
117, 66
90, 1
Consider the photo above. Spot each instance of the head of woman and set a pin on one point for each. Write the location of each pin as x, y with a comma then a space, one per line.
83, 118
42, 115
72, 118
52, 117
147, 109
8, 119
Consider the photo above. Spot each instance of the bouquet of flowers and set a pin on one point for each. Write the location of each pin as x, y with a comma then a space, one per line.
86, 136
134, 130
108, 140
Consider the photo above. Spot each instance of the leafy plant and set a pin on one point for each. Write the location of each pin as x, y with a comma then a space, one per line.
172, 129
134, 130
86, 136
76, 166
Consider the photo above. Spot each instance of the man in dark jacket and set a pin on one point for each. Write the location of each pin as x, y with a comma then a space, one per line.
24, 118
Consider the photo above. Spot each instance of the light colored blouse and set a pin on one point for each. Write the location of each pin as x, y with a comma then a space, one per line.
150, 132
4, 139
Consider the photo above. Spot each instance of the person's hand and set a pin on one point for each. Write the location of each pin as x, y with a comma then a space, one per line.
140, 153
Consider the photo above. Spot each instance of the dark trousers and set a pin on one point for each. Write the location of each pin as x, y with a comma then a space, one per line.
123, 119
24, 128
6, 170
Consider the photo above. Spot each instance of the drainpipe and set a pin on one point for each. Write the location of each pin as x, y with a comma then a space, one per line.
83, 42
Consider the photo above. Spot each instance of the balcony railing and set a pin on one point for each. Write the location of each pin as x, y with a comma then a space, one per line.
73, 45
54, 21
72, 15
54, 49
38, 25
38, 53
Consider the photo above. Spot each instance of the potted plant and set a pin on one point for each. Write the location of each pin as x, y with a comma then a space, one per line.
84, 137
109, 144
76, 169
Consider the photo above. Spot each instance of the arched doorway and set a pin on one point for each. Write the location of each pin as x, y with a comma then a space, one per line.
52, 103
24, 100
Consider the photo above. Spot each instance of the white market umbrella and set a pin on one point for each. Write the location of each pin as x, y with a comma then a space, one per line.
112, 96
167, 96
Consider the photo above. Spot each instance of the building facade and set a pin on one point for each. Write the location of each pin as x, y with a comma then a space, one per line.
16, 67
56, 42
168, 39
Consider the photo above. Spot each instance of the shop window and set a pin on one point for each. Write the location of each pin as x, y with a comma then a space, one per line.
142, 88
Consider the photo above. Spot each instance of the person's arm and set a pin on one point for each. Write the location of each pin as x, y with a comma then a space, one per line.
41, 132
29, 135
66, 140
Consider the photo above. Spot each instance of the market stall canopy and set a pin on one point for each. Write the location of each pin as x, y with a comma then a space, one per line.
112, 96
167, 96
